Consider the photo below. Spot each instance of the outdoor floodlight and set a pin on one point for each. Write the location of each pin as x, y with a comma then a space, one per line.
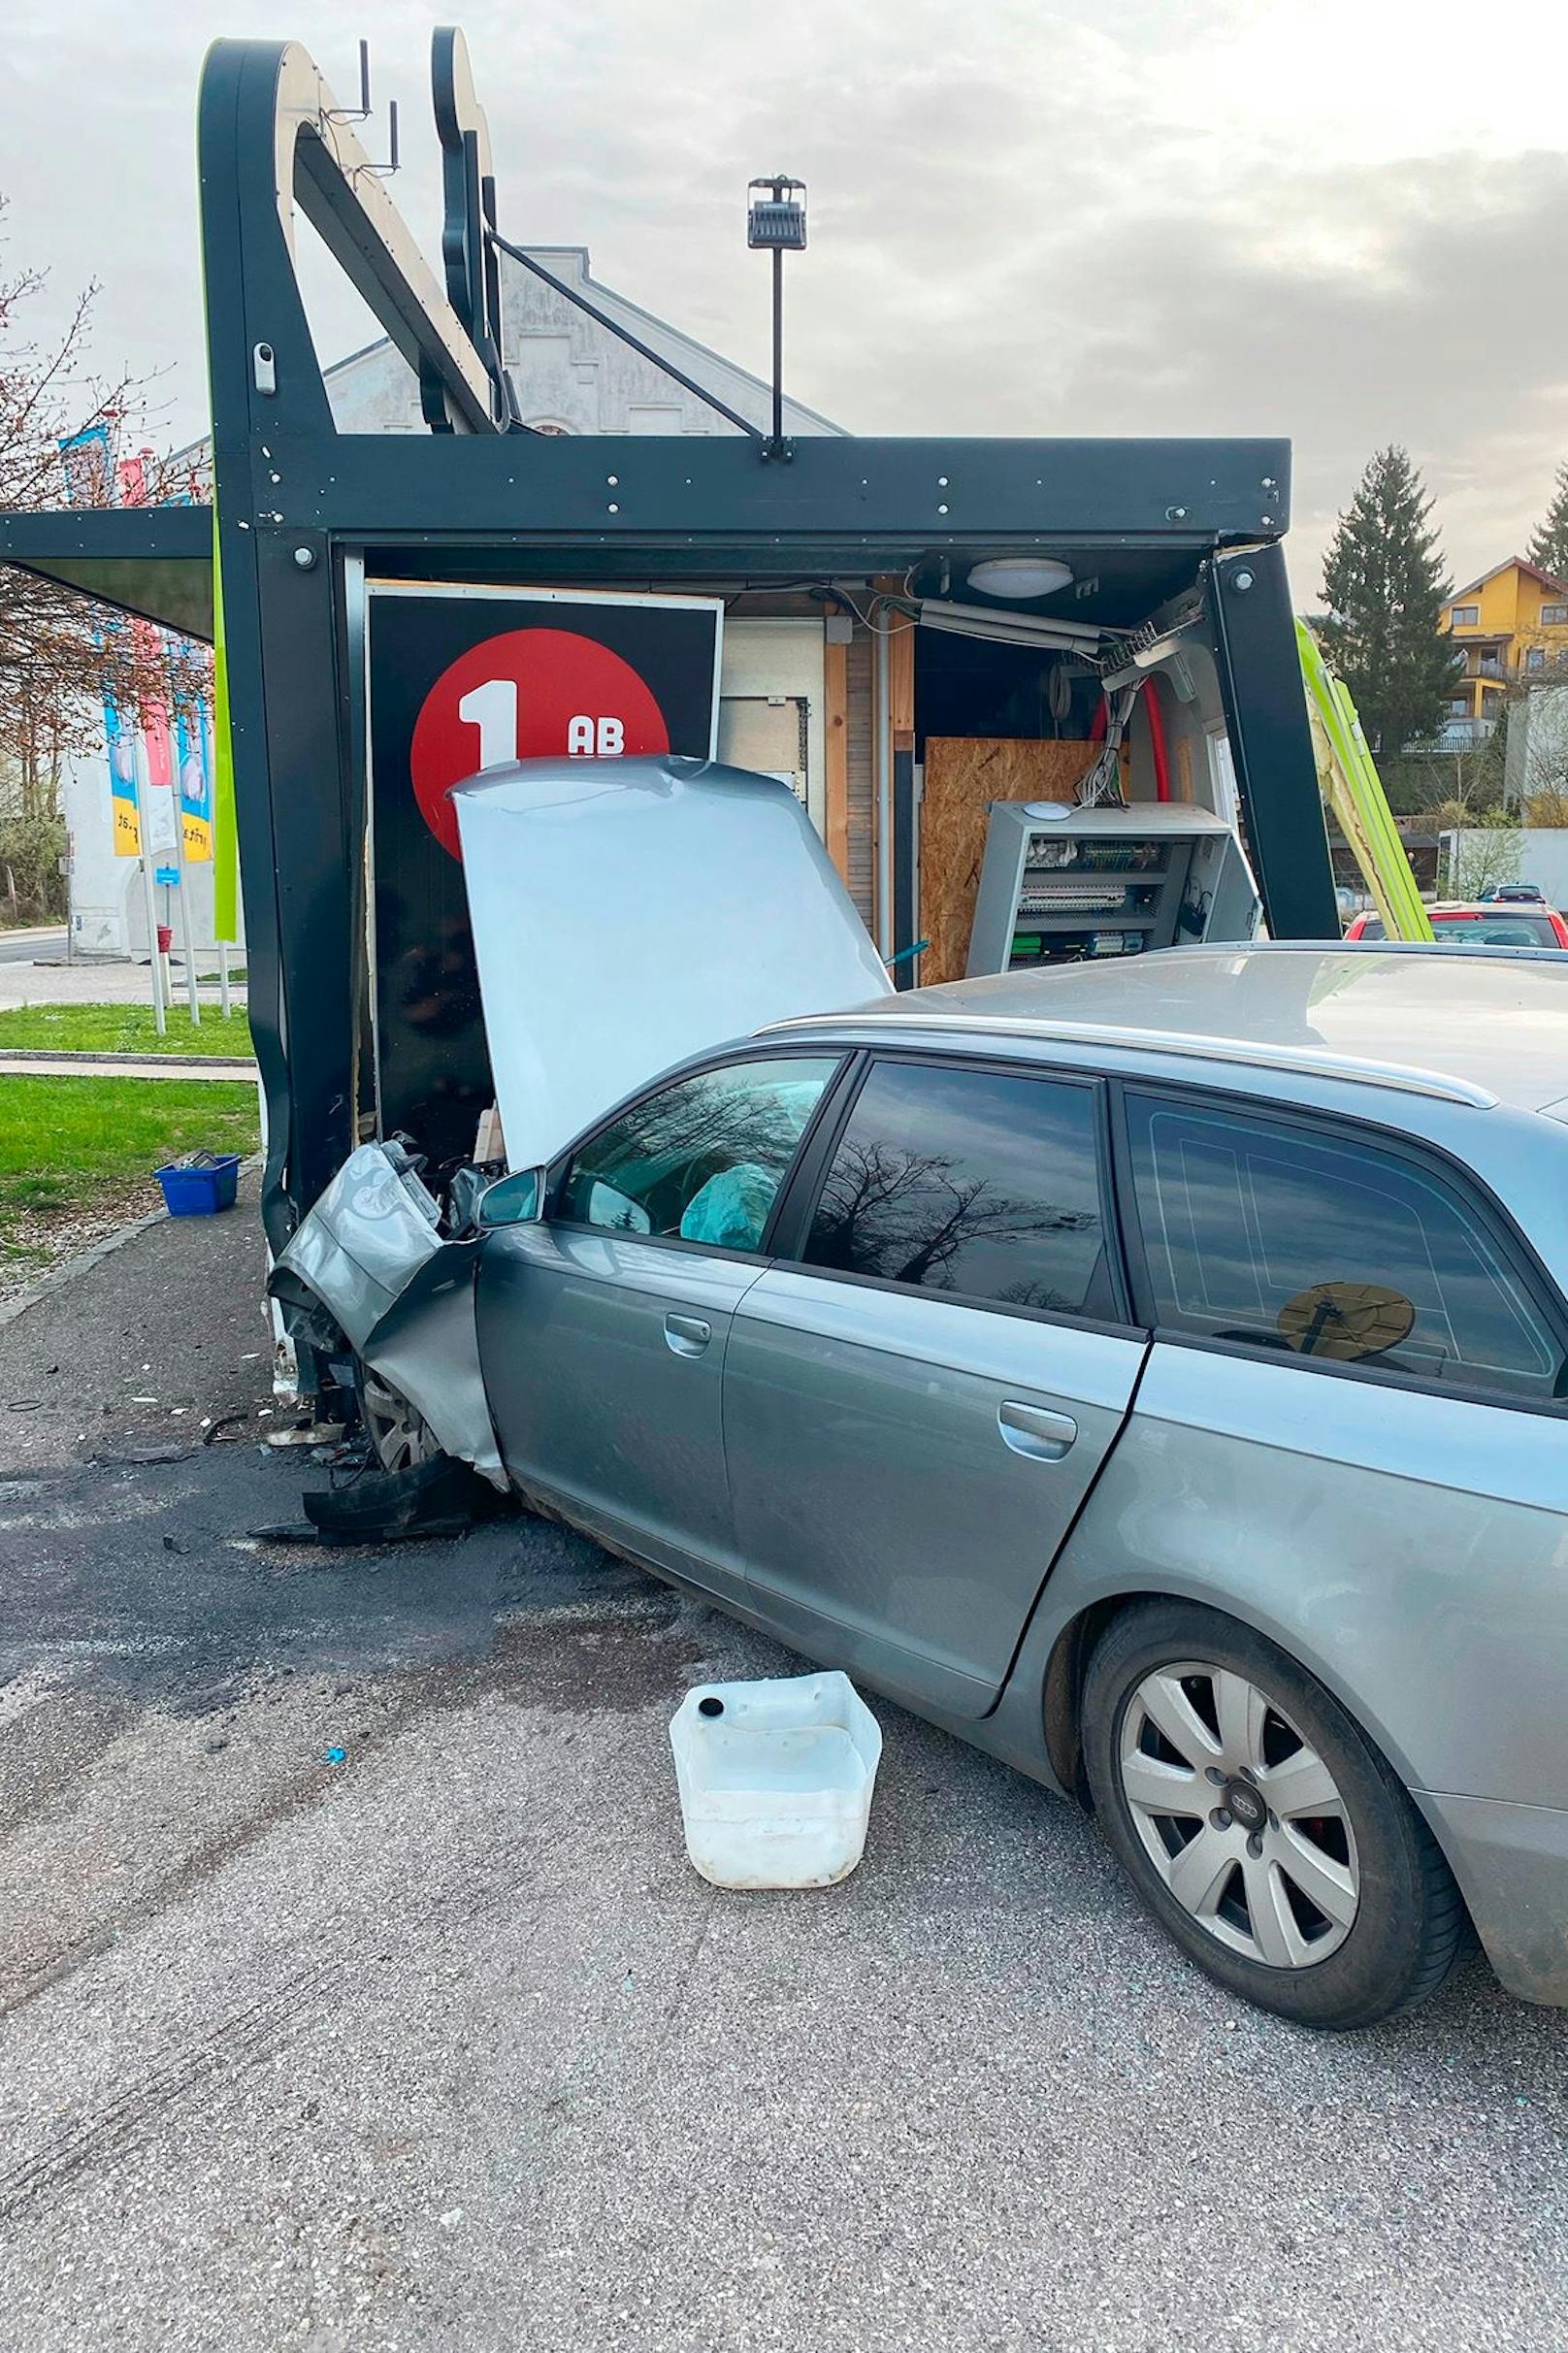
776, 224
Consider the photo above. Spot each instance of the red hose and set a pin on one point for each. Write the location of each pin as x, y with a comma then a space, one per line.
1157, 740
1098, 723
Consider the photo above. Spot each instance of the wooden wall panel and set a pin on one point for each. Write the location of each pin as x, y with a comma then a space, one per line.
836, 756
963, 776
859, 777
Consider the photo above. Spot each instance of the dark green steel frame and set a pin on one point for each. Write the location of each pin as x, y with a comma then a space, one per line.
300, 506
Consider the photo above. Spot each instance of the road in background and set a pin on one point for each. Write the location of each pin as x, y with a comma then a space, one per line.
355, 1990
20, 947
24, 980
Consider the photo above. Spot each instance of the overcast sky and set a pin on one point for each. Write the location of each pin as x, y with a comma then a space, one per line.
1344, 222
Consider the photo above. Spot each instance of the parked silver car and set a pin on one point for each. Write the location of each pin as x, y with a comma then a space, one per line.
1153, 1373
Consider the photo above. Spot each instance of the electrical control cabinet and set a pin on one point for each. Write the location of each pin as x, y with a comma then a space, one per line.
1065, 885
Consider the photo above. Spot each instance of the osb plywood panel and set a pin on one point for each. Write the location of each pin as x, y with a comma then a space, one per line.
963, 776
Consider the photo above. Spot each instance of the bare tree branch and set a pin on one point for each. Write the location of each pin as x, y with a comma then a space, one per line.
62, 657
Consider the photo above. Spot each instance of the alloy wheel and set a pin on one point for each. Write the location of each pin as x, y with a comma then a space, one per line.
1239, 1814
399, 1436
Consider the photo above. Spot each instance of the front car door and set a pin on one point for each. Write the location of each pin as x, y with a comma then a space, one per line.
920, 1390
602, 1328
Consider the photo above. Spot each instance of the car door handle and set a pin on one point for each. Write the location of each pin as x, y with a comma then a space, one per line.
1035, 1431
687, 1335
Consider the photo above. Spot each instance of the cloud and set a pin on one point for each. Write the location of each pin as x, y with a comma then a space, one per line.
1155, 216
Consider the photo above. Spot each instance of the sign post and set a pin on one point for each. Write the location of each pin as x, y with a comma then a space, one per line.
150, 902
153, 830
191, 997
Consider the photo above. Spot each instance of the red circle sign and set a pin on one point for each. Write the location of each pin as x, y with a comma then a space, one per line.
529, 694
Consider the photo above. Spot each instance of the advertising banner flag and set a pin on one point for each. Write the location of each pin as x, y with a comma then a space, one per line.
195, 782
155, 796
89, 460
120, 741
462, 678
92, 478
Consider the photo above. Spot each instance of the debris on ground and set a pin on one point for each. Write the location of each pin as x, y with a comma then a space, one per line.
378, 1507
38, 1241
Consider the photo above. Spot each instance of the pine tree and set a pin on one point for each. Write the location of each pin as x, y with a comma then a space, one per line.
1549, 546
1385, 586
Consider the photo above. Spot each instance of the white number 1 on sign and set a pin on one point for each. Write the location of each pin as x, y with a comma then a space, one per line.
493, 709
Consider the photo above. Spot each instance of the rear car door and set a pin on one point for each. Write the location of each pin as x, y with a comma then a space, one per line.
920, 1390
602, 1328
1352, 1432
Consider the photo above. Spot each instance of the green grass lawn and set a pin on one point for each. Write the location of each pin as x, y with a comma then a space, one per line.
123, 1030
74, 1147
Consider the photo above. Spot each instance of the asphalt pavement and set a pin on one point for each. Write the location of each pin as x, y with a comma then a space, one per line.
124, 1066
355, 1991
34, 971
22, 947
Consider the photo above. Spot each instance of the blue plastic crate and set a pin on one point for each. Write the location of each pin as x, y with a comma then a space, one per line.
200, 1192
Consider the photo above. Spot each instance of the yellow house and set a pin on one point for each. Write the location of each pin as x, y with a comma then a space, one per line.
1512, 621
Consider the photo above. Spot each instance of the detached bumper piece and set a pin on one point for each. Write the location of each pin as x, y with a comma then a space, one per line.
434, 1499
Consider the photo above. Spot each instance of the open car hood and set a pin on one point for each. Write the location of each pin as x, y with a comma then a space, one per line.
627, 913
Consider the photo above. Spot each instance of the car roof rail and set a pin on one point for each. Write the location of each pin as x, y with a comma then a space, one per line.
1304, 1061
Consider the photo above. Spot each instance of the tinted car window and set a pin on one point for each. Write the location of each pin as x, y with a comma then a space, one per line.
1324, 1246
701, 1161
1512, 927
972, 1182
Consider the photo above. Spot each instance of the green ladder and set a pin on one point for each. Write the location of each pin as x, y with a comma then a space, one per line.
1354, 790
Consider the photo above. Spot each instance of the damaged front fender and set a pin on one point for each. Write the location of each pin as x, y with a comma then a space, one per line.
371, 1251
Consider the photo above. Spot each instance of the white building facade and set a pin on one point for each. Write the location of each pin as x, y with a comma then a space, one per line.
571, 374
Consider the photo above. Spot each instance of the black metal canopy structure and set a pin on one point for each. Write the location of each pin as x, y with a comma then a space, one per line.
303, 510
153, 561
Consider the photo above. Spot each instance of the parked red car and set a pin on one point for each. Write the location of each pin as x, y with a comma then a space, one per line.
1481, 927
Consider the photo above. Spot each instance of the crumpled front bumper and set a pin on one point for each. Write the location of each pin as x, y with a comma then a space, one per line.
403, 1295
1511, 1865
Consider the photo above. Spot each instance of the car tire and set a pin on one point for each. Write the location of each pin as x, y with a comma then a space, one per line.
1335, 1908
400, 1437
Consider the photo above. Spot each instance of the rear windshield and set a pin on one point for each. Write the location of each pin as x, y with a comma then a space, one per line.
1508, 927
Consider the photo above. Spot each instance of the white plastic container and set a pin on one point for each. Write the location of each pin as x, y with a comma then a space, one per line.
776, 1779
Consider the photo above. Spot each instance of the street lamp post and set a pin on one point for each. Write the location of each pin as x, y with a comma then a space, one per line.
776, 224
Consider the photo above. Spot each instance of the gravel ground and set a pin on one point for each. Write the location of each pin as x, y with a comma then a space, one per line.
445, 2046
47, 1240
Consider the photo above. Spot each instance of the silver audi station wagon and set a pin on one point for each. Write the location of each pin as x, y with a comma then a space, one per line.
1153, 1373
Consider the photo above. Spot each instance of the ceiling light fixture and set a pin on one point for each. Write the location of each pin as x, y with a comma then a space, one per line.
1020, 576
